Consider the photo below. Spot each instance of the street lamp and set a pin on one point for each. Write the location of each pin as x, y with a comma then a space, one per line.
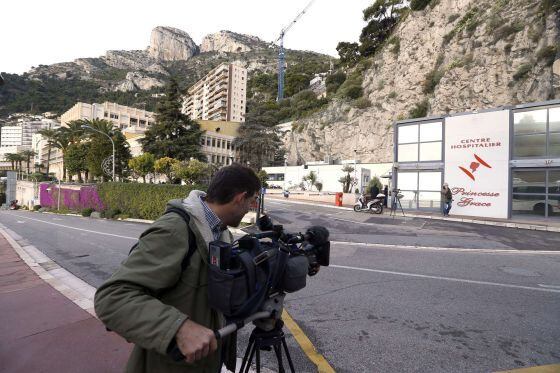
85, 126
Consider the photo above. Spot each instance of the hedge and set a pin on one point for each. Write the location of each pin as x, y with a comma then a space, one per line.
139, 200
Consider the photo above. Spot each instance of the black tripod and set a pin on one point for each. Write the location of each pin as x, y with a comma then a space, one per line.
396, 201
263, 340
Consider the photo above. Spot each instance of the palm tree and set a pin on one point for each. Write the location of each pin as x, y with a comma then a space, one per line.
11, 157
28, 154
61, 141
48, 134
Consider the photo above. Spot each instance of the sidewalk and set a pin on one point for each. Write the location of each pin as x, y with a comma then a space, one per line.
550, 225
44, 331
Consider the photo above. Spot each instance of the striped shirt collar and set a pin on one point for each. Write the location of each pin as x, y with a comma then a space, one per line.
213, 220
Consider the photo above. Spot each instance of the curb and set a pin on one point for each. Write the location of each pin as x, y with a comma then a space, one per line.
504, 224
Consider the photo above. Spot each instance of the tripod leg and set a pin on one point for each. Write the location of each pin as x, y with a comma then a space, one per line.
278, 352
258, 359
246, 364
290, 363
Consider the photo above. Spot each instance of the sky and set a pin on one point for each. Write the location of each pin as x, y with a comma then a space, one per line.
34, 32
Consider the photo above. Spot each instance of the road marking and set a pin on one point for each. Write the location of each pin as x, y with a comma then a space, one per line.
550, 286
449, 279
80, 229
322, 364
554, 368
437, 248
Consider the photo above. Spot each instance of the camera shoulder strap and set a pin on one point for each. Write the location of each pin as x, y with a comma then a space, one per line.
192, 239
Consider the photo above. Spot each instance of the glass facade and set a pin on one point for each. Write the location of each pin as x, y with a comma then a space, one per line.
420, 142
420, 189
536, 192
536, 133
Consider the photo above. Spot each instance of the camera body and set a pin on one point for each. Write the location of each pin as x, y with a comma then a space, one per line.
255, 272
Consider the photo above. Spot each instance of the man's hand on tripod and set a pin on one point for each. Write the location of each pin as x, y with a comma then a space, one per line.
195, 341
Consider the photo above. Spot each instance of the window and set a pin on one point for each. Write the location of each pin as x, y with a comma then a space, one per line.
420, 189
419, 142
536, 192
536, 133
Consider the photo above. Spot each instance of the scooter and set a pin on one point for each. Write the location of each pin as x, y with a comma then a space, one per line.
361, 204
14, 205
376, 205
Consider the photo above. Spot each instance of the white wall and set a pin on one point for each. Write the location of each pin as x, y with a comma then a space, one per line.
329, 174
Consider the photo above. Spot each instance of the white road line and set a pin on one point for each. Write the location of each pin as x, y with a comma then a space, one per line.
448, 279
438, 248
550, 286
80, 229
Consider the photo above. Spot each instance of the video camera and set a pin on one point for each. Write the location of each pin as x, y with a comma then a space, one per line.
255, 272
249, 278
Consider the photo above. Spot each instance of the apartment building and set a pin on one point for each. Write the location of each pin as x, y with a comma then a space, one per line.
219, 96
217, 141
121, 116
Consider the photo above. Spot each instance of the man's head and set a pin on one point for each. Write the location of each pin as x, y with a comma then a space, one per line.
231, 192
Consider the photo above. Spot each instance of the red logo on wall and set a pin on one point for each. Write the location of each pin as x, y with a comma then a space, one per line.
474, 166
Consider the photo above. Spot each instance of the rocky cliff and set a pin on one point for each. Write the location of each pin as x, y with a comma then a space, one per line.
227, 41
454, 56
171, 44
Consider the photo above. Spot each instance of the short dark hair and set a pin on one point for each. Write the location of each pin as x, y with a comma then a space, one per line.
230, 181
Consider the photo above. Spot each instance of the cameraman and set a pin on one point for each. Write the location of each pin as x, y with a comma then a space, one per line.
151, 301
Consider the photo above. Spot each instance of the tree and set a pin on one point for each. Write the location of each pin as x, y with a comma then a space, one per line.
191, 172
310, 180
75, 159
347, 181
101, 148
49, 135
263, 177
13, 158
296, 83
258, 144
174, 134
165, 166
382, 16
142, 165
375, 181
28, 154
349, 53
61, 140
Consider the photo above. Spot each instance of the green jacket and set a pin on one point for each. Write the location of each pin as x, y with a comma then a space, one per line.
148, 298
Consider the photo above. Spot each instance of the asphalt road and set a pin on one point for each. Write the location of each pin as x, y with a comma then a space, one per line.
474, 299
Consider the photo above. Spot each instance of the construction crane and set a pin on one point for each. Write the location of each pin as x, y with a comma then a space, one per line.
281, 55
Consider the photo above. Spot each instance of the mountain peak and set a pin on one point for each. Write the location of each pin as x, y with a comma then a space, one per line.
171, 44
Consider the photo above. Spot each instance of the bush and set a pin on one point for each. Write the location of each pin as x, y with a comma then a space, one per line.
507, 30
334, 81
36, 207
452, 18
362, 103
353, 92
420, 110
419, 4
432, 80
548, 54
139, 200
522, 71
87, 212
111, 213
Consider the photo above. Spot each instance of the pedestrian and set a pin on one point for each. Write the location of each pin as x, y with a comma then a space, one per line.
373, 191
386, 192
155, 302
447, 199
